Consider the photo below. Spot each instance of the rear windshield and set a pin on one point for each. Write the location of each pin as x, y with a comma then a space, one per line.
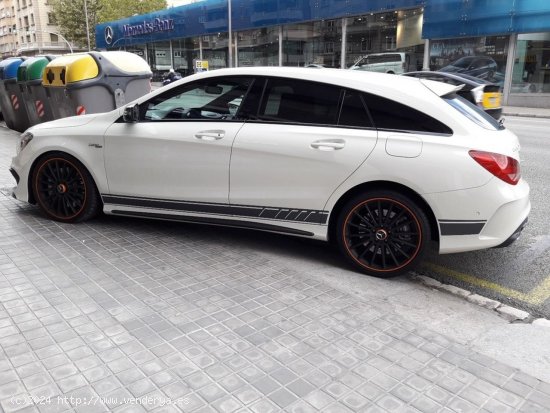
472, 112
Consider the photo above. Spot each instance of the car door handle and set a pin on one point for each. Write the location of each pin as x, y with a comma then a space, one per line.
329, 145
210, 135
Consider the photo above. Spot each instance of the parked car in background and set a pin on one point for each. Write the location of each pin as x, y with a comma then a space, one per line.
478, 66
316, 66
385, 166
392, 63
480, 92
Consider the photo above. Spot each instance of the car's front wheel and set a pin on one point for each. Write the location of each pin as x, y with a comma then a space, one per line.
64, 189
382, 233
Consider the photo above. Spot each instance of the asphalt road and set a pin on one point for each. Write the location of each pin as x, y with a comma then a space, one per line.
520, 274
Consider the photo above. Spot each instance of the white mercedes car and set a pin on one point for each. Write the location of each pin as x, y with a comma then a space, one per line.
379, 164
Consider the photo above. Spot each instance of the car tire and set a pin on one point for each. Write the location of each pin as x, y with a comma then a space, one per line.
382, 233
64, 190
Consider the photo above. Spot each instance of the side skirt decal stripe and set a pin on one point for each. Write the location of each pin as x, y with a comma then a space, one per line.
213, 221
283, 214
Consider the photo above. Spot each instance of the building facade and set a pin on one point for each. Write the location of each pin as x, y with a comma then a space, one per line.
505, 41
27, 28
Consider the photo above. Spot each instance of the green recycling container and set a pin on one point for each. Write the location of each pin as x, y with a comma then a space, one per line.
13, 108
94, 82
29, 79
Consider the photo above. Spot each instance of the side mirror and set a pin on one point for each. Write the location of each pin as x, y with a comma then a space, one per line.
131, 114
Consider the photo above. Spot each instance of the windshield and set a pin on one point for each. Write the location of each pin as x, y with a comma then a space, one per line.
472, 112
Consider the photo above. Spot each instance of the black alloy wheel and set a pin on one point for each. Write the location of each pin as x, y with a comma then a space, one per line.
383, 233
64, 189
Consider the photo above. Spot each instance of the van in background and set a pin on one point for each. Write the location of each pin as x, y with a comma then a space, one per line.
394, 63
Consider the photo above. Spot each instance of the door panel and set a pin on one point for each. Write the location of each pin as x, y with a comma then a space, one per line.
294, 166
170, 160
181, 147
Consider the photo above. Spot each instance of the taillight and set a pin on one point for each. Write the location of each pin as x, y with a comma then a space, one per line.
501, 166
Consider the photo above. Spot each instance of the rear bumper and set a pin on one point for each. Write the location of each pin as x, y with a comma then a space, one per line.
480, 218
514, 236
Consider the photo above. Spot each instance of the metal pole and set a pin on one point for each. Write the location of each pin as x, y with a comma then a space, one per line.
172, 55
509, 71
87, 25
230, 34
236, 51
344, 43
62, 38
426, 62
280, 45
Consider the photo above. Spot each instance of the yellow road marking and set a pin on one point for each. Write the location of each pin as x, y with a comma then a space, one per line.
536, 296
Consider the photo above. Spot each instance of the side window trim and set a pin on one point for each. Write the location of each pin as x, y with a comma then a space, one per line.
365, 108
247, 117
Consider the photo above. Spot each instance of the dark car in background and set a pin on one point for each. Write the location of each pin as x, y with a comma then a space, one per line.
478, 66
480, 92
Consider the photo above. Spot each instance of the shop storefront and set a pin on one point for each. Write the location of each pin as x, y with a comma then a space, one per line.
506, 42
503, 42
266, 33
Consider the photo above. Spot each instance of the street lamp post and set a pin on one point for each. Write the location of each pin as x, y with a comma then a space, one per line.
62, 38
230, 33
50, 32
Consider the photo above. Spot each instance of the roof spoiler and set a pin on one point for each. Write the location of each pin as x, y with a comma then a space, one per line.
440, 88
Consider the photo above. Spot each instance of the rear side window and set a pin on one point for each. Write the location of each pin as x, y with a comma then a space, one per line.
388, 114
298, 101
354, 113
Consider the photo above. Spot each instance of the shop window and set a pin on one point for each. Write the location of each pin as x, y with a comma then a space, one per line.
532, 64
482, 57
311, 43
383, 32
186, 51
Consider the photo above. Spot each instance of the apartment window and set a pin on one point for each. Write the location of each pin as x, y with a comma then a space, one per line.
54, 38
51, 18
32, 19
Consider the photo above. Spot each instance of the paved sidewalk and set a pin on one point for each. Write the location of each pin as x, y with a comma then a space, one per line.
134, 316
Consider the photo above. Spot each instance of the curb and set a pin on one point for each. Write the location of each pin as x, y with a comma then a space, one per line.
512, 314
525, 115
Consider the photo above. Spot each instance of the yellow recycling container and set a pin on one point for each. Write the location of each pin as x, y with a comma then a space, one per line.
94, 82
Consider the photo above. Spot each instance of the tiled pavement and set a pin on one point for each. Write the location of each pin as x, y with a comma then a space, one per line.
126, 315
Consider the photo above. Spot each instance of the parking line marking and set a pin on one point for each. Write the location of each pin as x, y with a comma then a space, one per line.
537, 296
540, 293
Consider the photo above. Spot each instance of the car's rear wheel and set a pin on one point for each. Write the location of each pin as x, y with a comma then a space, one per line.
64, 189
382, 233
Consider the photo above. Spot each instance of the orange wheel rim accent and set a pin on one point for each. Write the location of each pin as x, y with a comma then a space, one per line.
379, 234
58, 181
